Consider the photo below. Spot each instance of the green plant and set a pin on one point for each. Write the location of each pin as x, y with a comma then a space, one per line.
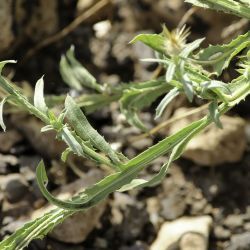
189, 70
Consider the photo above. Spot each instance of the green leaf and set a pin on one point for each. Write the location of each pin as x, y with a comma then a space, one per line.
227, 6
154, 41
214, 113
188, 87
165, 101
65, 154
1, 114
186, 135
135, 99
68, 75
133, 184
219, 88
20, 100
36, 229
220, 56
39, 101
100, 190
3, 63
170, 72
47, 128
72, 142
75, 75
84, 130
190, 47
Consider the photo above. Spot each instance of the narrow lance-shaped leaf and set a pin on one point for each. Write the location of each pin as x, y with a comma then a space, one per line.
188, 87
165, 101
175, 153
1, 114
190, 47
67, 75
170, 72
221, 89
214, 113
3, 63
75, 75
39, 101
21, 100
83, 128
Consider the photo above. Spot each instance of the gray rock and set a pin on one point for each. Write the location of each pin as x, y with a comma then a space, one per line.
44, 143
17, 209
240, 242
233, 221
135, 219
137, 246
9, 139
76, 228
28, 166
9, 159
221, 233
3, 168
193, 241
173, 206
12, 226
142, 144
186, 233
15, 187
247, 226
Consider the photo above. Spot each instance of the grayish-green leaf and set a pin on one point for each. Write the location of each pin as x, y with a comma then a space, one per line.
228, 6
3, 63
75, 75
165, 101
65, 154
154, 41
219, 56
170, 72
1, 114
47, 128
214, 113
135, 99
83, 128
39, 101
188, 87
190, 47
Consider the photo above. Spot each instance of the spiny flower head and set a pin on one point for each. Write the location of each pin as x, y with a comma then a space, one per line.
175, 40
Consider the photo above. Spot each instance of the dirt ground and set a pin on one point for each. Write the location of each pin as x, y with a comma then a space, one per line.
206, 191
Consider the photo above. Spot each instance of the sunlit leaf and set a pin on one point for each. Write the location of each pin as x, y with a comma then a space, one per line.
165, 101
39, 101
220, 56
154, 41
170, 72
83, 128
3, 63
1, 114
214, 113
75, 75
227, 6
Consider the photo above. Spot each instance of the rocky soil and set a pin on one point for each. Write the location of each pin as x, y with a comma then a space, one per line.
203, 203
